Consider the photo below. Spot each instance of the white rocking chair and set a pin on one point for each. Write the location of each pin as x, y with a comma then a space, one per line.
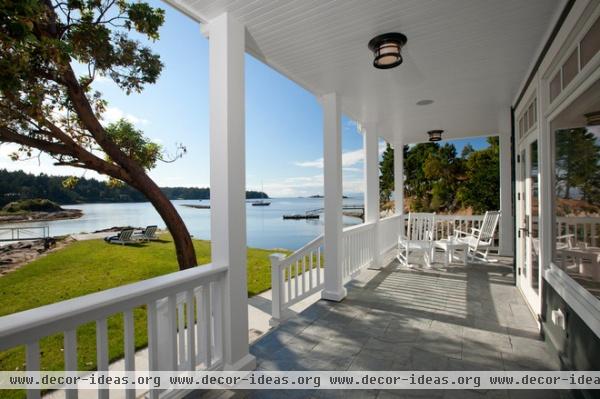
418, 238
480, 240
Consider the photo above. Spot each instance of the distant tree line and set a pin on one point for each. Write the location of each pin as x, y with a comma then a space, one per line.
438, 180
20, 185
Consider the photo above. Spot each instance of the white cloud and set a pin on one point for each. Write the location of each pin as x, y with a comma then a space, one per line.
304, 186
42, 164
113, 114
349, 158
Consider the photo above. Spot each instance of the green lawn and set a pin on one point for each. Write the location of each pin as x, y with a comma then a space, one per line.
85, 267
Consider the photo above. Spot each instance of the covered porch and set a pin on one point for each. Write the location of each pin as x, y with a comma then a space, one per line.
370, 313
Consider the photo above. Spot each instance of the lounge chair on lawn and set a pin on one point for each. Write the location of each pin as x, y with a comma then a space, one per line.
148, 234
124, 237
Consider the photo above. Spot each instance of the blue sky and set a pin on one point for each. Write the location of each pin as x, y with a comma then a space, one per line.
283, 122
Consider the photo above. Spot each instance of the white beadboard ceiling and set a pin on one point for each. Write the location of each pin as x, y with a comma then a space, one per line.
468, 56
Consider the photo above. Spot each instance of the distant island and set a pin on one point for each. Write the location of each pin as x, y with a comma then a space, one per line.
19, 185
320, 196
36, 209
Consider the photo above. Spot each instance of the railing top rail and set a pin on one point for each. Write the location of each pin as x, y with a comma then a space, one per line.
31, 325
318, 241
359, 227
392, 217
577, 219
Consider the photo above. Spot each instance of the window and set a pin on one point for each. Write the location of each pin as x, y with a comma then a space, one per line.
528, 118
555, 86
570, 68
590, 44
583, 53
577, 191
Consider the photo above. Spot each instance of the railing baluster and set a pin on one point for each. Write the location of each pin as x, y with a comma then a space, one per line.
199, 348
288, 270
102, 353
70, 342
310, 271
217, 316
152, 337
181, 333
129, 348
296, 277
319, 265
304, 284
32, 363
205, 321
191, 338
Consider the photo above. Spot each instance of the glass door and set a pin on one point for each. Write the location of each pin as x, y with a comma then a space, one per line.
528, 270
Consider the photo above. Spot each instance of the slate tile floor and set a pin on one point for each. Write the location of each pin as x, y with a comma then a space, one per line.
459, 318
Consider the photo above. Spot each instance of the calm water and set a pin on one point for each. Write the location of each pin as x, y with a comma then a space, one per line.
265, 225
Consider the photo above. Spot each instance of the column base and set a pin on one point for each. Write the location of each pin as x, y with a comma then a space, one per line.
247, 363
335, 296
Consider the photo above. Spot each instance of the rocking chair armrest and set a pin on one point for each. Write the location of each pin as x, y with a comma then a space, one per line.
460, 232
565, 236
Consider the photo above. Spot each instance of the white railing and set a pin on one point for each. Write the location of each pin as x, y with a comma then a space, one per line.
582, 229
359, 244
446, 225
389, 230
295, 277
192, 298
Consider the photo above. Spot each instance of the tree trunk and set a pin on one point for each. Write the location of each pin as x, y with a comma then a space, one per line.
186, 254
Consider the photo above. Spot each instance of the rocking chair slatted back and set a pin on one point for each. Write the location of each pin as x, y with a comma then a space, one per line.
488, 227
420, 227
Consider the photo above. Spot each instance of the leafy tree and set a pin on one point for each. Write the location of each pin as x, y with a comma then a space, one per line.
577, 163
46, 106
386, 176
443, 169
481, 186
416, 184
466, 151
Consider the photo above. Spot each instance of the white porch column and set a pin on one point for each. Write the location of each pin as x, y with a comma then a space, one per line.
371, 178
507, 229
332, 164
228, 182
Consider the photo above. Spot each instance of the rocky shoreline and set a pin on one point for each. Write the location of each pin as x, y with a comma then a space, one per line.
41, 216
13, 256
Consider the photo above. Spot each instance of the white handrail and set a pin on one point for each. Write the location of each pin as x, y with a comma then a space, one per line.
33, 324
192, 297
358, 227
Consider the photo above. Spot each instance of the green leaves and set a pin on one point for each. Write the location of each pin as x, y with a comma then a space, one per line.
133, 143
436, 180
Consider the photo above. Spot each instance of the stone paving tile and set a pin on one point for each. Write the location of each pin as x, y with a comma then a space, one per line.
440, 319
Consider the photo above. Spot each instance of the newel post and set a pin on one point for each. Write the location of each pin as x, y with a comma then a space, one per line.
276, 289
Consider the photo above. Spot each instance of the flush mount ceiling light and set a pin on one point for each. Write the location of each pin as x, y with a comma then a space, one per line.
435, 135
386, 49
424, 102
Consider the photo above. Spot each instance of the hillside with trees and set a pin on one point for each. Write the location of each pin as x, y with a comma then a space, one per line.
20, 185
438, 180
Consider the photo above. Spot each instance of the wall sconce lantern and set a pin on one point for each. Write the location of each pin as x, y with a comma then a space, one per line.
386, 49
435, 135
